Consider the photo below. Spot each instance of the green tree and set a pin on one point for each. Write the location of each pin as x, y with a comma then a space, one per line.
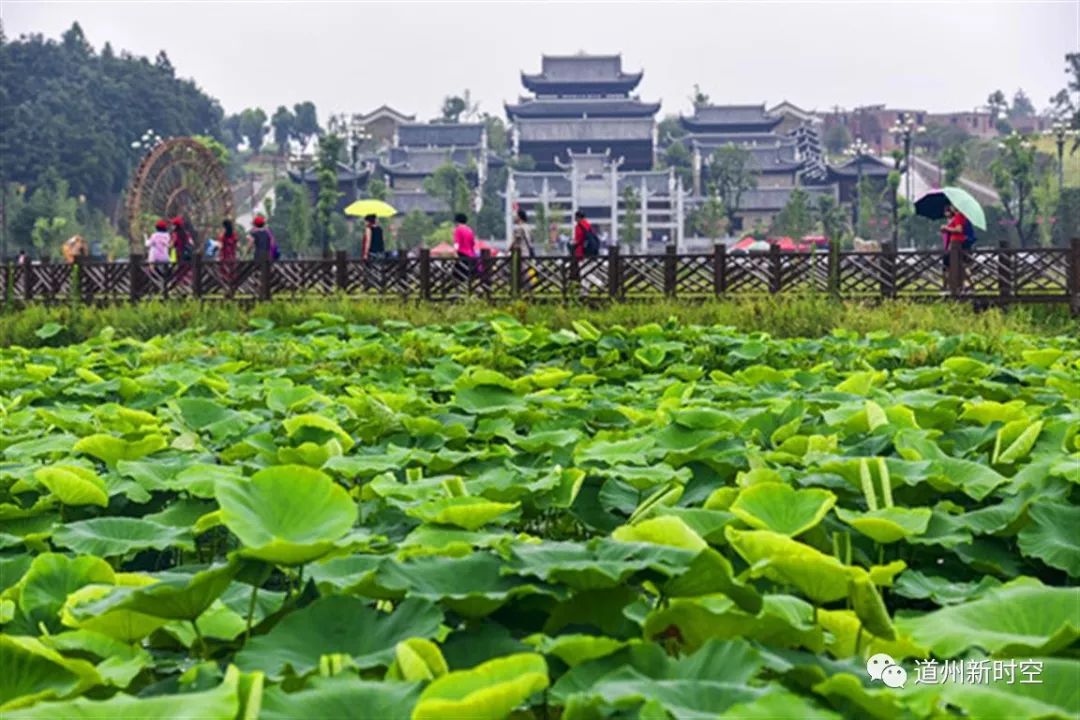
218, 148
1063, 102
441, 234
497, 135
377, 189
415, 226
1014, 179
677, 156
728, 169
305, 122
628, 228
452, 109
698, 98
283, 122
952, 161
669, 130
1022, 106
448, 183
253, 127
836, 139
832, 218
290, 216
711, 219
998, 105
48, 218
795, 219
329, 151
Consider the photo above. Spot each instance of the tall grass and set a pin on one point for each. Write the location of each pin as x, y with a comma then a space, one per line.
807, 316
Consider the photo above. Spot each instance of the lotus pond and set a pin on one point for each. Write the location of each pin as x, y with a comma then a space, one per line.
492, 520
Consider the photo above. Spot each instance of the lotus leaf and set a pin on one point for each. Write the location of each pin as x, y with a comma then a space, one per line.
489, 691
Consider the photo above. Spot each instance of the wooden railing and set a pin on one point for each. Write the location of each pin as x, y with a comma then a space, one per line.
989, 276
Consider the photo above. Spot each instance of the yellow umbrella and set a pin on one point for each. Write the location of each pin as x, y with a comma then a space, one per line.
371, 206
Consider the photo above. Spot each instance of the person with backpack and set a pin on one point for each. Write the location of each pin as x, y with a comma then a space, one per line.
954, 230
586, 241
260, 240
373, 244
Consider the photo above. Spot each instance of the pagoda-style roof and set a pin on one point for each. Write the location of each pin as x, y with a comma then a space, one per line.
345, 174
581, 75
421, 162
581, 108
730, 119
760, 139
572, 130
440, 134
790, 108
871, 167
384, 111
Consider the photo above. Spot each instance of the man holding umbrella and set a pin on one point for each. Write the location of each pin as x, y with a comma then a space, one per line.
960, 211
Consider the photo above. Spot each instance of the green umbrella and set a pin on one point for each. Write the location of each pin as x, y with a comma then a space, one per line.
932, 205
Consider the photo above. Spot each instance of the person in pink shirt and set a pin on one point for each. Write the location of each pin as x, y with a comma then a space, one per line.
465, 243
157, 245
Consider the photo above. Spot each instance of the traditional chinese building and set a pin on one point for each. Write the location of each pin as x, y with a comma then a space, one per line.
419, 149
583, 104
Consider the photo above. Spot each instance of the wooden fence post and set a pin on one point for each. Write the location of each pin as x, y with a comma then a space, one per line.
775, 269
135, 276
719, 269
614, 272
341, 271
28, 281
265, 292
425, 273
1005, 272
670, 262
956, 271
834, 267
515, 273
888, 270
75, 282
403, 274
485, 273
1074, 275
197, 275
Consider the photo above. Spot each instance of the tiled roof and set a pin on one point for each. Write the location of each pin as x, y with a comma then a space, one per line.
582, 107
440, 134
383, 111
561, 73
774, 199
425, 161
409, 200
871, 167
718, 116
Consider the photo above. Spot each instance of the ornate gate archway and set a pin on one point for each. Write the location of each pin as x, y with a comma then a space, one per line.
180, 176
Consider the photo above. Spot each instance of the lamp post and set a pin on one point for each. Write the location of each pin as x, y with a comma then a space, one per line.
1060, 131
904, 130
857, 150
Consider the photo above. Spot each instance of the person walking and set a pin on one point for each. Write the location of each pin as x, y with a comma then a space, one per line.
582, 230
465, 244
521, 241
259, 240
373, 244
21, 260
157, 245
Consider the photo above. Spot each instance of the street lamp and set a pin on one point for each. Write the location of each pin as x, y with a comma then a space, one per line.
857, 150
904, 130
1060, 132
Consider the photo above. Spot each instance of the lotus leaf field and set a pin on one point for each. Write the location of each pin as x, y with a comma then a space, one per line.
492, 520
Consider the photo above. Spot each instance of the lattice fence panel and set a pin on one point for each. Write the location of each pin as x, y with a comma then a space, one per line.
920, 273
748, 273
694, 276
642, 275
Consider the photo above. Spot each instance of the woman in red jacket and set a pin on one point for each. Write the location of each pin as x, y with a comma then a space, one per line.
582, 228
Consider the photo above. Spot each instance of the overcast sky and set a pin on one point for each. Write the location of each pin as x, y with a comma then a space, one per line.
354, 56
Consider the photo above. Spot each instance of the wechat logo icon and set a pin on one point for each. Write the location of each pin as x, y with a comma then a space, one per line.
882, 667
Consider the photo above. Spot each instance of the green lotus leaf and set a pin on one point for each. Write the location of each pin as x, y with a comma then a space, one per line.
1015, 440
848, 634
489, 691
287, 514
709, 573
820, 577
283, 399
318, 429
596, 565
117, 662
119, 623
417, 659
73, 485
49, 580
977, 480
985, 412
489, 400
887, 525
219, 703
118, 536
701, 685
917, 585
205, 415
340, 697
1055, 695
783, 620
473, 586
966, 367
855, 698
1052, 536
111, 450
779, 705
781, 508
705, 418
338, 624
869, 607
614, 452
33, 672
1021, 618
575, 649
466, 512
183, 593
666, 530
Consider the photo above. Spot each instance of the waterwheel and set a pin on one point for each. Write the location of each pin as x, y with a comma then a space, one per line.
179, 176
